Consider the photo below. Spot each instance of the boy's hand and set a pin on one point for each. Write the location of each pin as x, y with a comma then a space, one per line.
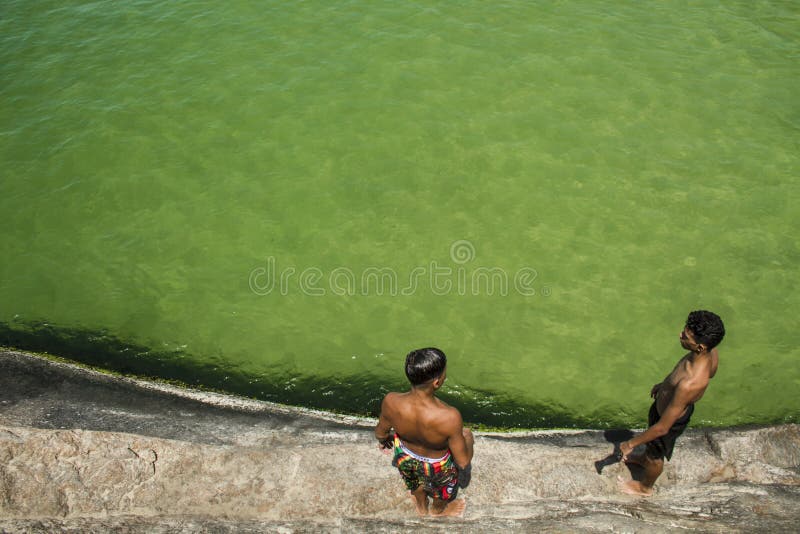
386, 445
464, 476
625, 449
654, 391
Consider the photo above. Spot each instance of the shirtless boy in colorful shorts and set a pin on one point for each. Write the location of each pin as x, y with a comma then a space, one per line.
431, 448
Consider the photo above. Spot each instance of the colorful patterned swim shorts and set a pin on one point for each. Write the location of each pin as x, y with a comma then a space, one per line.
438, 477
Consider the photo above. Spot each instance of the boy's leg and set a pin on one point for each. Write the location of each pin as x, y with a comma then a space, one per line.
420, 500
652, 470
448, 508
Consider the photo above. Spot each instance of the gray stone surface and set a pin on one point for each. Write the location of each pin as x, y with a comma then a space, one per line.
42, 393
81, 451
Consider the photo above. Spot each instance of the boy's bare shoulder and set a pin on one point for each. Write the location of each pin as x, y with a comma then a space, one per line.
449, 414
391, 400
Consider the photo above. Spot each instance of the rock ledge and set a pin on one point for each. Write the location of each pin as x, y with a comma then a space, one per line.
81, 451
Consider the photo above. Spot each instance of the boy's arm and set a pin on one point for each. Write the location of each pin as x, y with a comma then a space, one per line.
384, 427
460, 441
680, 400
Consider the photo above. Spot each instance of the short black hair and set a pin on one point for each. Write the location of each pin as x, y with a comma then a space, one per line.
423, 365
707, 328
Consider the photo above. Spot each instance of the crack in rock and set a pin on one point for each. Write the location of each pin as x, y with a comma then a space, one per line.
716, 450
152, 461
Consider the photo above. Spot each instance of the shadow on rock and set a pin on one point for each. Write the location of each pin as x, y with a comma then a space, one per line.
615, 437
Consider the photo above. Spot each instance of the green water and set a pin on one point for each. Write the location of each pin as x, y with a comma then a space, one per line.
627, 162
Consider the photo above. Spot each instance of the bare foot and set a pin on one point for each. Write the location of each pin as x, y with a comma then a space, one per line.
449, 509
420, 502
633, 487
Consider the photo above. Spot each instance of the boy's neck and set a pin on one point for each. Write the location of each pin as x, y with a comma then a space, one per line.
426, 390
697, 356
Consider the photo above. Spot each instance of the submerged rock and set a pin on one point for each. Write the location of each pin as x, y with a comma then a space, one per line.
136, 457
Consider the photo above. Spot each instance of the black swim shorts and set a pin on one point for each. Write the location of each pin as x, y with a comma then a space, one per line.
662, 447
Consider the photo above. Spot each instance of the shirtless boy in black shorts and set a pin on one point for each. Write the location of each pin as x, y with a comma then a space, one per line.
674, 399
431, 448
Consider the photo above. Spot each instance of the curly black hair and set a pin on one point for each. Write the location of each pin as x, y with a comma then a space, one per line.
423, 365
707, 328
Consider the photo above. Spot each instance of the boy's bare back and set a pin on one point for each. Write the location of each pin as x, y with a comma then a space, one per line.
425, 424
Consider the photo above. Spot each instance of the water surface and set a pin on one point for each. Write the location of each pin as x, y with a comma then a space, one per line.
625, 163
